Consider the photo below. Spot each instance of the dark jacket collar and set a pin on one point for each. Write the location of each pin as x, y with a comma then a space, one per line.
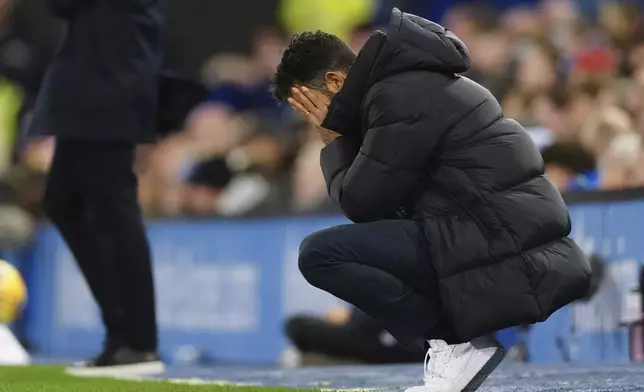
344, 110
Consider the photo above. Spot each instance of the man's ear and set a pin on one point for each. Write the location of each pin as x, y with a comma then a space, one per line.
334, 81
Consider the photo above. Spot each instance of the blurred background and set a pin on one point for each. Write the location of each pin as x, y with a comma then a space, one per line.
231, 194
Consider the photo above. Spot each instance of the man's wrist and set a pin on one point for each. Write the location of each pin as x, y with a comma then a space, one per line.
328, 139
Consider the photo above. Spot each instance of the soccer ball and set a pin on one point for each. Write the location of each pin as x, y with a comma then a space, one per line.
13, 293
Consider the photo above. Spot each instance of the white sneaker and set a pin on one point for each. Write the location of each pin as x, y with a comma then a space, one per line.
461, 367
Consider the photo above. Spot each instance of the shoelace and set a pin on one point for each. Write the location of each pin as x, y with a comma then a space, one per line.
436, 361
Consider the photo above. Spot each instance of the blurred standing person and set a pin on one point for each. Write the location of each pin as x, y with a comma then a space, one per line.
99, 98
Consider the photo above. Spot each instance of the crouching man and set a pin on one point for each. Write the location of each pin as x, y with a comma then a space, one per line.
458, 233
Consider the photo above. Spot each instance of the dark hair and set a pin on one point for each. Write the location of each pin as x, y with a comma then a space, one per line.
560, 97
308, 58
590, 87
571, 155
548, 49
213, 174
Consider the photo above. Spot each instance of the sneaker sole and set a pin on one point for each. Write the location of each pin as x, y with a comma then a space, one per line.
486, 370
133, 370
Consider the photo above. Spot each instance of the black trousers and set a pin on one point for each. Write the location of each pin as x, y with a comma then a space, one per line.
91, 198
383, 269
361, 339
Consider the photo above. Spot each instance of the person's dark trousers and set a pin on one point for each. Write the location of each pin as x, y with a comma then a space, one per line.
361, 339
382, 268
91, 197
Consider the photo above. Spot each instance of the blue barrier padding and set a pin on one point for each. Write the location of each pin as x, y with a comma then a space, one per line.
225, 287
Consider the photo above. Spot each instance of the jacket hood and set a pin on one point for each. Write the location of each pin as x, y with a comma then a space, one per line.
410, 43
414, 43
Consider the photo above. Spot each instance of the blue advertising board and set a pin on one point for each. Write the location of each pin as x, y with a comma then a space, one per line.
591, 331
226, 287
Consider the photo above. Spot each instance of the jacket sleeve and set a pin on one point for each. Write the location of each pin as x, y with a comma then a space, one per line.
64, 9
373, 182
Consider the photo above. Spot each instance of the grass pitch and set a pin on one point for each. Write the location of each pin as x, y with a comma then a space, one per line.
54, 379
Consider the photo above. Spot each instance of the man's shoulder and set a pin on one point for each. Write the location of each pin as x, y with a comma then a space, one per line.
417, 82
411, 78
414, 90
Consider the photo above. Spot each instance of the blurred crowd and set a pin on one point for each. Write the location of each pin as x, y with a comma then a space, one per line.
574, 79
575, 82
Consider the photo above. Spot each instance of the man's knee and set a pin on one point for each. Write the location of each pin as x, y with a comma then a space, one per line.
315, 255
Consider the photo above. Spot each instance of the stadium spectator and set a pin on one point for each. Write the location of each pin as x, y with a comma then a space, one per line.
347, 335
538, 66
635, 99
252, 92
621, 164
308, 186
602, 127
569, 166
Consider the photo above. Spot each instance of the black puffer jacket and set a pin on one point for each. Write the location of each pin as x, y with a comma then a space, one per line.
435, 147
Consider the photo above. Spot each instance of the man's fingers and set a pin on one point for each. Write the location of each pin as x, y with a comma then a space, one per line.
305, 113
313, 98
304, 105
298, 107
320, 110
304, 100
